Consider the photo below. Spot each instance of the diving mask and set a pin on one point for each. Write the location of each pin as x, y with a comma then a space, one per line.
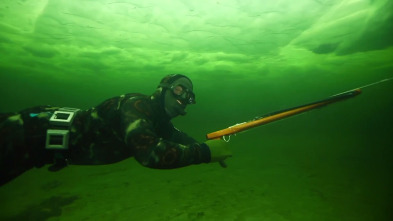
183, 94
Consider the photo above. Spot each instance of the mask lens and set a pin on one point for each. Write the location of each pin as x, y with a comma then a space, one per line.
178, 90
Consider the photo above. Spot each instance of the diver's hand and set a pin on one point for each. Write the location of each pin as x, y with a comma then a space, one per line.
219, 150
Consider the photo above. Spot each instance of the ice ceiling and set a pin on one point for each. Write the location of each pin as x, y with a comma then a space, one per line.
106, 36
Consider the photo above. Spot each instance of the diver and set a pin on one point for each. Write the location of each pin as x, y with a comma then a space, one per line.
130, 125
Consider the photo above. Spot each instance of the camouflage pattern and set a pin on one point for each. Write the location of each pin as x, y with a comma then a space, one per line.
119, 128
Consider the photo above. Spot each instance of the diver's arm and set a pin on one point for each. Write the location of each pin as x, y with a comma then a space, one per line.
153, 151
179, 136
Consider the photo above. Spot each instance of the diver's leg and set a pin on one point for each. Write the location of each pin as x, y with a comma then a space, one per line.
14, 154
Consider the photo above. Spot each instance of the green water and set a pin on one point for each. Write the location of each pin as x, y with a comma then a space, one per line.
246, 59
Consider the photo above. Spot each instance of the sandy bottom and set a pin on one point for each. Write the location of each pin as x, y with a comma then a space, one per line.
269, 185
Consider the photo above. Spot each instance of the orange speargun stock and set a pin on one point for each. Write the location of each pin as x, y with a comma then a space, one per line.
278, 115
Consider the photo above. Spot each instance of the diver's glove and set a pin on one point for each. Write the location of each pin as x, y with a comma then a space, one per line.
219, 151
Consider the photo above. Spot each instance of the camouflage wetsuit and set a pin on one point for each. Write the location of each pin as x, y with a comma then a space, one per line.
121, 127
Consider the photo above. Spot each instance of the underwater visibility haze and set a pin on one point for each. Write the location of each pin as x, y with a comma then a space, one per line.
245, 58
